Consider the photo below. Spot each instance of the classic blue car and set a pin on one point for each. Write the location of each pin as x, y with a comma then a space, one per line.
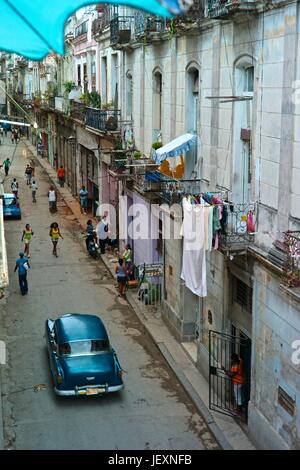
82, 361
11, 207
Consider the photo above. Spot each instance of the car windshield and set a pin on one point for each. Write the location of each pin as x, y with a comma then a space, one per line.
9, 201
82, 348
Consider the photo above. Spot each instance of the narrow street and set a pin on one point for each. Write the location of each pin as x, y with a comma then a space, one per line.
153, 411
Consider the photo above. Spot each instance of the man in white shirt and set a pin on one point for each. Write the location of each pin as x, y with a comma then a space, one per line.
102, 232
15, 187
34, 188
52, 199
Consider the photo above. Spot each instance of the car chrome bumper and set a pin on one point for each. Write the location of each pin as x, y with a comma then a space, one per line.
69, 393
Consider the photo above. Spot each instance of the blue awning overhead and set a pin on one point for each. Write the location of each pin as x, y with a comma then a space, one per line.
34, 28
176, 147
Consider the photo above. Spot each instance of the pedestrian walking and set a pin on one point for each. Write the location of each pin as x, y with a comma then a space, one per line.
12, 134
34, 188
22, 265
83, 194
26, 238
16, 136
61, 176
55, 235
32, 164
15, 187
102, 232
28, 174
6, 165
52, 198
121, 277
89, 233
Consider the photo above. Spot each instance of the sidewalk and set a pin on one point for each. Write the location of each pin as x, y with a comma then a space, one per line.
225, 429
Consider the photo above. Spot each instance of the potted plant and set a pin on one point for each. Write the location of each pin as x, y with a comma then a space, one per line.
109, 105
95, 99
85, 98
137, 155
156, 145
69, 86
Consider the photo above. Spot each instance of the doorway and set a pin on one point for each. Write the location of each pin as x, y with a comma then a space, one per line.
222, 396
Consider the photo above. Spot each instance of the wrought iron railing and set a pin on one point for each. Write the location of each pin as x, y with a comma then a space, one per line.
145, 24
102, 120
195, 12
291, 270
106, 121
120, 29
99, 24
223, 8
238, 225
62, 104
78, 111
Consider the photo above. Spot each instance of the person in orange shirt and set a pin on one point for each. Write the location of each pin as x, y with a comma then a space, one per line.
61, 176
237, 376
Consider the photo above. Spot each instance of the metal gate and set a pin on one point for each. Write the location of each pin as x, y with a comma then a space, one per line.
222, 393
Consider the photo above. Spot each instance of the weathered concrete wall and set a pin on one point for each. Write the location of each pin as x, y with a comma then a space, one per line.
276, 325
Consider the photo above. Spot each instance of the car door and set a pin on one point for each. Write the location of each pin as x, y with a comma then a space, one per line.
53, 351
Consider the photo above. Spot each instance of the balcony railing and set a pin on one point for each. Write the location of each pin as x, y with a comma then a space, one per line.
62, 104
105, 121
120, 29
223, 9
291, 270
238, 227
99, 25
195, 13
146, 24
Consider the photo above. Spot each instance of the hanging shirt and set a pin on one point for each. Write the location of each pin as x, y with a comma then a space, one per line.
193, 258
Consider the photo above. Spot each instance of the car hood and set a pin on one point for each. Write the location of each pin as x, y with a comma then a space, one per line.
98, 369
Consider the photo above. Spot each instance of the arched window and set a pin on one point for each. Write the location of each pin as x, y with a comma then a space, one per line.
129, 93
157, 104
192, 115
244, 84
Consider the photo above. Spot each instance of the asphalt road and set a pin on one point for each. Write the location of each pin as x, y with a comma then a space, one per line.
152, 412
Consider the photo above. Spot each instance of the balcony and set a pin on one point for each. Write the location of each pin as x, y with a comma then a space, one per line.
291, 269
47, 102
224, 9
118, 165
103, 22
62, 104
239, 226
120, 30
194, 14
98, 119
149, 25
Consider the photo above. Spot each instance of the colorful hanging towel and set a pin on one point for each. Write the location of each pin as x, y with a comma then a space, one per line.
250, 222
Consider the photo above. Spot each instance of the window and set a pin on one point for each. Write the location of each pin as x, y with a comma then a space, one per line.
81, 29
249, 79
10, 201
157, 101
78, 75
129, 93
242, 294
83, 348
287, 402
93, 75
